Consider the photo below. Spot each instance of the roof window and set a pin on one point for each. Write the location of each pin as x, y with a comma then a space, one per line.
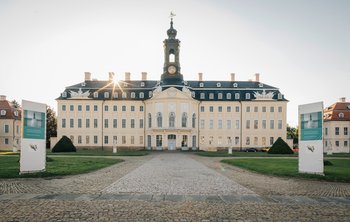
201, 84
235, 85
3, 112
218, 84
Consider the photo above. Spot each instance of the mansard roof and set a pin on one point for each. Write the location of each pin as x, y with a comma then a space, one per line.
210, 89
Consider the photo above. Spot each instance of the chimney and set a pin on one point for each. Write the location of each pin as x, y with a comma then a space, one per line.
233, 77
342, 99
144, 76
127, 76
257, 77
87, 76
2, 97
200, 76
110, 76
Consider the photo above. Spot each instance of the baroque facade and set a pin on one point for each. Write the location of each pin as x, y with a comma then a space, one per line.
10, 126
336, 127
171, 113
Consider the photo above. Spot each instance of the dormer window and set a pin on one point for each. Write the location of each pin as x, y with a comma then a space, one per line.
141, 95
219, 95
132, 95
124, 95
218, 84
150, 94
261, 85
106, 94
64, 94
142, 84
201, 84
3, 112
235, 85
15, 113
211, 95
236, 95
95, 94
228, 95
247, 96
202, 95
341, 115
125, 84
115, 95
280, 96
83, 84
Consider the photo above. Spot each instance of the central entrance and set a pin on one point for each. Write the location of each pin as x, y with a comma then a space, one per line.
171, 142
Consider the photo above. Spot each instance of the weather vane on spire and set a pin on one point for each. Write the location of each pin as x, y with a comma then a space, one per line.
172, 15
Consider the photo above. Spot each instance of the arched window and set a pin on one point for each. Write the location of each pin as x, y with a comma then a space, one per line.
184, 120
149, 120
219, 95
172, 120
228, 95
171, 58
236, 95
159, 120
247, 96
194, 120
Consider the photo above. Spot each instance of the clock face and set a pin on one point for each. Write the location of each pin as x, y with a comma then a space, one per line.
171, 69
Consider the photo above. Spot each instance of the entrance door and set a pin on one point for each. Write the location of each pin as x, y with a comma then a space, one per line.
171, 142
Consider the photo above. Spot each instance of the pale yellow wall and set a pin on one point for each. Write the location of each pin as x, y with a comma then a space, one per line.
330, 138
13, 135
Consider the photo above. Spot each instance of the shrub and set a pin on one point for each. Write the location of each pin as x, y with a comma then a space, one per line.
64, 145
280, 147
327, 163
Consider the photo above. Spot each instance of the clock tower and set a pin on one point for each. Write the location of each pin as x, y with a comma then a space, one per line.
171, 70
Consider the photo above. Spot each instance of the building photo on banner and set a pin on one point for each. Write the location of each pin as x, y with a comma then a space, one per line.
33, 146
311, 138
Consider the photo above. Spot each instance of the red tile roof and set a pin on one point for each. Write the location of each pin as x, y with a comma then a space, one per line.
339, 111
10, 110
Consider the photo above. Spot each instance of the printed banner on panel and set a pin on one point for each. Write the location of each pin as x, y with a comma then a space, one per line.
33, 145
311, 138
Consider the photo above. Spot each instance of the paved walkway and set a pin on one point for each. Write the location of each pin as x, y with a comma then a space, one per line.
172, 187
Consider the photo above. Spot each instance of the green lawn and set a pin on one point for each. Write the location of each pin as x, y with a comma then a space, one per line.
58, 166
339, 171
243, 154
103, 153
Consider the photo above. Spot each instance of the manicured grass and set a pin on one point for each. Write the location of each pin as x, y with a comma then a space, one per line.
103, 153
243, 154
56, 166
340, 155
339, 171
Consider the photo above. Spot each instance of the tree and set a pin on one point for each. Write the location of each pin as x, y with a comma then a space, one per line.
51, 125
293, 133
15, 104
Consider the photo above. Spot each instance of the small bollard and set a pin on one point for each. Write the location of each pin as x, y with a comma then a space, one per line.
230, 150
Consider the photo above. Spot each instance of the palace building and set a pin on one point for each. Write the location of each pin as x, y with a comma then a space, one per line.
171, 112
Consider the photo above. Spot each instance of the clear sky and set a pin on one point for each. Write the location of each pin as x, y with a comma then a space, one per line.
301, 47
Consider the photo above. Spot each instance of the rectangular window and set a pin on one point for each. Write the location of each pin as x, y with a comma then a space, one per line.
272, 124
95, 108
71, 123
106, 140
115, 108
211, 109
271, 141
123, 108
79, 123
149, 141
202, 108
256, 109
95, 140
255, 141
264, 109
220, 109
141, 140
272, 109
256, 124
326, 131
132, 108
237, 109
237, 124
247, 125
211, 124
345, 131
159, 141
247, 109
202, 123
247, 141
228, 122
106, 108
106, 123
6, 141
123, 139
115, 140
123, 123
79, 139
132, 139
71, 108
115, 123
87, 107
211, 95
141, 108
95, 123
87, 140
202, 96
337, 143
63, 123
141, 123
336, 130
87, 123
17, 129
280, 109
279, 124
72, 139
220, 124
79, 109
345, 143
63, 107
132, 123
264, 123
236, 140
263, 141
229, 109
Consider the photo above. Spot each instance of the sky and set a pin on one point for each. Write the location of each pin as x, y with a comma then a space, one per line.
301, 47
